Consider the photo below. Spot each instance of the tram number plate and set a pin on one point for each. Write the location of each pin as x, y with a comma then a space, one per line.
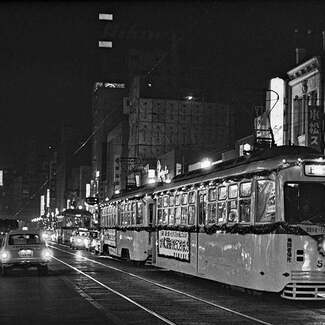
320, 264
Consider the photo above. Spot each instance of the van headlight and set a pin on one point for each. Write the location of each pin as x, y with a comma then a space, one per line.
46, 254
5, 256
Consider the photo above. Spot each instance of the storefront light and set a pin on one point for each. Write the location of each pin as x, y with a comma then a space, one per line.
206, 163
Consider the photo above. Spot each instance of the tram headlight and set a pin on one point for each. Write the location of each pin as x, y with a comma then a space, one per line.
321, 245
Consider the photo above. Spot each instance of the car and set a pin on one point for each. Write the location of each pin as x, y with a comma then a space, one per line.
24, 249
80, 239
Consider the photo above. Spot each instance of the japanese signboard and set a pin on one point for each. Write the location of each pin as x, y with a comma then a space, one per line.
314, 127
174, 244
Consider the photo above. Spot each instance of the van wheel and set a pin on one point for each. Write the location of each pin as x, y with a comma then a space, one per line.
43, 270
4, 271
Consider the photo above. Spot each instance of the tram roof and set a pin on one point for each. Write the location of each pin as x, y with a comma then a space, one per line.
257, 162
137, 193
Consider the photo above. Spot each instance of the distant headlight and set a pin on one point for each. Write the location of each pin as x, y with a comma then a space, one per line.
46, 254
4, 256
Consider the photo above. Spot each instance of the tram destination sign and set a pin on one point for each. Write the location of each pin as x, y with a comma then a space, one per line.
314, 169
174, 244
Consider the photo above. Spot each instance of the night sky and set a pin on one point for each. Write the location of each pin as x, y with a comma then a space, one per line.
49, 58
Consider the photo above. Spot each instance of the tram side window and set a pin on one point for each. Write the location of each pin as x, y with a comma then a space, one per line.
212, 213
139, 215
171, 200
202, 207
159, 202
232, 203
178, 215
245, 191
212, 194
245, 210
265, 210
184, 215
191, 197
171, 216
160, 216
191, 214
222, 204
165, 216
165, 201
177, 199
133, 213
184, 198
222, 212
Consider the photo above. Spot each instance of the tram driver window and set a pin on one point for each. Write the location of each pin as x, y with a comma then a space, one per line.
265, 210
304, 202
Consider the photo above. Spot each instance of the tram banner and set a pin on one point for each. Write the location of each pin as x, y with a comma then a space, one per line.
110, 237
174, 244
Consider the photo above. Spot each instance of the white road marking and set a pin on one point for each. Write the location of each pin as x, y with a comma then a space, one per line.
167, 321
171, 289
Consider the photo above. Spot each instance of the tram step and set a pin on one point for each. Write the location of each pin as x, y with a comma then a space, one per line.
149, 260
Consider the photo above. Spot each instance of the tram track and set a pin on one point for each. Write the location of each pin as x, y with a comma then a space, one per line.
172, 291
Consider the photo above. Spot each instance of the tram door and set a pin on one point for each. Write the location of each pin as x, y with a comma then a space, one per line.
152, 235
201, 221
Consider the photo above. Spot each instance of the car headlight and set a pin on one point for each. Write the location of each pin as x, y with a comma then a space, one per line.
4, 256
46, 254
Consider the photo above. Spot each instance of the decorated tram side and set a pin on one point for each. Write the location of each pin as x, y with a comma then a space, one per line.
125, 223
257, 224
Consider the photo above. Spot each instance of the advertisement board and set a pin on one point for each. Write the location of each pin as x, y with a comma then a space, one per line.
314, 127
111, 237
174, 244
276, 110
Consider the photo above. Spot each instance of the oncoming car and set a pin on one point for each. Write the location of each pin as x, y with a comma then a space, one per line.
24, 249
49, 235
80, 239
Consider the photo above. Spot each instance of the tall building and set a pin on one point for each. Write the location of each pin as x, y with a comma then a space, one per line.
146, 128
305, 109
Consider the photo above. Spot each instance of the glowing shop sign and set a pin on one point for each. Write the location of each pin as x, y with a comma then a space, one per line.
174, 244
314, 170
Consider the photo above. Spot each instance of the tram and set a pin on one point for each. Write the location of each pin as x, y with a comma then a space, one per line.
125, 223
256, 222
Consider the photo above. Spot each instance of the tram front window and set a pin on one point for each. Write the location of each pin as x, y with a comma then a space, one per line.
304, 202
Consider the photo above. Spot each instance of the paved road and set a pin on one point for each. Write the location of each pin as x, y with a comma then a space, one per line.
84, 289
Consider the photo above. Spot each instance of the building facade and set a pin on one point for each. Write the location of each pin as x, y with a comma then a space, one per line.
305, 107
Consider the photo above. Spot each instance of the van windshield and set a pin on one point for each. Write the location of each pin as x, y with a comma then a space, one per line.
304, 202
24, 239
